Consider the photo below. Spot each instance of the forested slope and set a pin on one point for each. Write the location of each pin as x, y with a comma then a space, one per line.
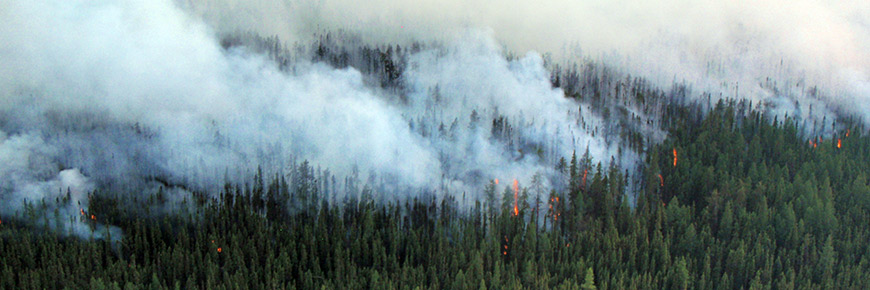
730, 201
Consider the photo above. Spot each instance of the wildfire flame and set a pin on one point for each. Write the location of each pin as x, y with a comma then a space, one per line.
585, 171
496, 181
516, 197
839, 143
661, 181
556, 214
219, 249
82, 210
93, 217
553, 202
675, 157
848, 131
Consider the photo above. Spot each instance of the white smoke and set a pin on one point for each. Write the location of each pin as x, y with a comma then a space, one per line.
107, 94
784, 53
35, 188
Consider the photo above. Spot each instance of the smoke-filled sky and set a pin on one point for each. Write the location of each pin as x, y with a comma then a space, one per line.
718, 46
102, 93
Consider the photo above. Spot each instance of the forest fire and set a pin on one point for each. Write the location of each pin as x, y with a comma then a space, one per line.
93, 217
585, 172
82, 211
848, 131
661, 181
219, 249
506, 241
556, 214
675, 157
516, 198
839, 143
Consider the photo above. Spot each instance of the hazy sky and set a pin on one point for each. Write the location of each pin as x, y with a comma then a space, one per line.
825, 43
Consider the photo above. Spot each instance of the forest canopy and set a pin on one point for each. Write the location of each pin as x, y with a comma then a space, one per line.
749, 204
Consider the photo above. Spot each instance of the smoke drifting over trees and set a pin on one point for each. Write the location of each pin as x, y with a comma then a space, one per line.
439, 144
140, 94
174, 94
792, 55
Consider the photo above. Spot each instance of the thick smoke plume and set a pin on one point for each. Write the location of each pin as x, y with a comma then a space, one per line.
131, 94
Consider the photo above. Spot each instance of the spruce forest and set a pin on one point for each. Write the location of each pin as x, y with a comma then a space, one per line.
239, 161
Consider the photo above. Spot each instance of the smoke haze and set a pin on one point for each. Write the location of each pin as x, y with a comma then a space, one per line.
770, 51
103, 94
129, 94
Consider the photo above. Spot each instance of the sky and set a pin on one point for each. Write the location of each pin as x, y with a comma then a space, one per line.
714, 45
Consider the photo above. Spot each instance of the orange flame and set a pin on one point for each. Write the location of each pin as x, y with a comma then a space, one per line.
585, 171
661, 181
848, 131
556, 214
675, 157
839, 143
496, 181
82, 210
516, 198
93, 217
219, 249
